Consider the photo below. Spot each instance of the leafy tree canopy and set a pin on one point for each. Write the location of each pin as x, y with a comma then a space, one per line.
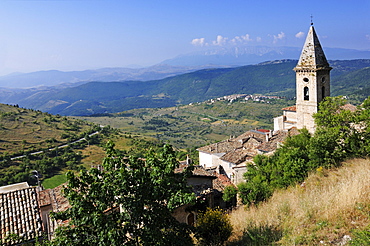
128, 203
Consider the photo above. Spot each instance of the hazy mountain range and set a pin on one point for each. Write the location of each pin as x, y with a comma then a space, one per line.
74, 78
221, 57
110, 90
349, 77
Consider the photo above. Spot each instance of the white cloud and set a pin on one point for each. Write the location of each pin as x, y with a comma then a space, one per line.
258, 39
241, 40
198, 42
278, 37
219, 40
299, 35
246, 38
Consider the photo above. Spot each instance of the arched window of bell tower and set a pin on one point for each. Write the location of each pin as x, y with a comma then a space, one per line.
306, 94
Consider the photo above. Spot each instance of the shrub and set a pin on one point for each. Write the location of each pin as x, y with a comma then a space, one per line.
213, 227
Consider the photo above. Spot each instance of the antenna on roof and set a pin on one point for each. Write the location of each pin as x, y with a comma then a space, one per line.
311, 20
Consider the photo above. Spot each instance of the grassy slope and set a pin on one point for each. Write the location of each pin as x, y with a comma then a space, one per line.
23, 129
330, 205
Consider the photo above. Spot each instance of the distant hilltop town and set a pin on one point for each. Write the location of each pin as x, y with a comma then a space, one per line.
232, 98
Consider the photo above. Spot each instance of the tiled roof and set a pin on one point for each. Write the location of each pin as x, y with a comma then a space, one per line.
200, 171
263, 130
197, 171
276, 139
290, 108
249, 144
233, 143
238, 155
19, 215
52, 200
55, 198
221, 182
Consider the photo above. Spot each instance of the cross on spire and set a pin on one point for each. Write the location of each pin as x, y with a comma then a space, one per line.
311, 20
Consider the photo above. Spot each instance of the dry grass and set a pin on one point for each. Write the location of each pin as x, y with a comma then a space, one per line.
328, 206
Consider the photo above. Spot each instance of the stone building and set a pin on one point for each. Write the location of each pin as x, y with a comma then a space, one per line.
208, 187
312, 86
231, 156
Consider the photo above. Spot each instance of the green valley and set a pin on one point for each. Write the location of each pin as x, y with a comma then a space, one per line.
191, 126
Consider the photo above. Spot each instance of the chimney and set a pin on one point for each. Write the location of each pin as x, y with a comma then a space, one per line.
188, 160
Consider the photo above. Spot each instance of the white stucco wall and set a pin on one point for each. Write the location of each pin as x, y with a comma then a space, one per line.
279, 123
205, 159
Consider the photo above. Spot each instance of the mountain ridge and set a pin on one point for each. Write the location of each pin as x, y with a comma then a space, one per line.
72, 78
269, 78
220, 57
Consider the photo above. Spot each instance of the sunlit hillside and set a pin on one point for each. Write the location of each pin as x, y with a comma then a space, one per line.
326, 209
23, 130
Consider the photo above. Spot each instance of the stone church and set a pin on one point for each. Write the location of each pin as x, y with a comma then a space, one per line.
312, 86
232, 156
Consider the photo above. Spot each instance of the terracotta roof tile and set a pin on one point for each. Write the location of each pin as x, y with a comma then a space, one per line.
55, 198
244, 147
238, 156
291, 108
233, 143
221, 182
20, 215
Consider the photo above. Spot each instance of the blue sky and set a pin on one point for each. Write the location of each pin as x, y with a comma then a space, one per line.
85, 34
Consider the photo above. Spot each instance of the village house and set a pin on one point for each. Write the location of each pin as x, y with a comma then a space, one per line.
208, 187
51, 200
231, 156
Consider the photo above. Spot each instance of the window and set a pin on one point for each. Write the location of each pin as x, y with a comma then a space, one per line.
306, 95
305, 80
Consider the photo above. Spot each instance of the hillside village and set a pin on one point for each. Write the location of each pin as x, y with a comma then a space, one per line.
25, 209
312, 86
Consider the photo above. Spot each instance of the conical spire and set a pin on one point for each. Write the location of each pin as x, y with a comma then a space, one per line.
312, 55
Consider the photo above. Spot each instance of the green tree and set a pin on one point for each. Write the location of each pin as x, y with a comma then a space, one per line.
338, 135
129, 203
230, 193
213, 227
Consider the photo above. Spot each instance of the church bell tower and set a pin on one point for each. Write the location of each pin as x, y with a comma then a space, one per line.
312, 81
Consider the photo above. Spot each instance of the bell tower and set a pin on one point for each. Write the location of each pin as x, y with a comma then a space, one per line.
312, 81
